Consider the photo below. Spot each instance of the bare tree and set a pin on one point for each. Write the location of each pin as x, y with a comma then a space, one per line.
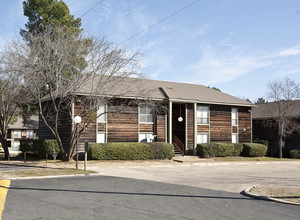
284, 93
66, 68
11, 99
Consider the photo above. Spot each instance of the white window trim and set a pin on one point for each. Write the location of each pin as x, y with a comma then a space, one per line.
27, 131
18, 132
237, 138
203, 133
139, 112
104, 137
103, 115
146, 133
237, 117
208, 114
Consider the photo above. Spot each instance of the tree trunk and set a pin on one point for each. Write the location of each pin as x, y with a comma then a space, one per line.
280, 146
6, 151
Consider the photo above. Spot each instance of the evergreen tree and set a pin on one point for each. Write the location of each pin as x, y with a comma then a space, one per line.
45, 13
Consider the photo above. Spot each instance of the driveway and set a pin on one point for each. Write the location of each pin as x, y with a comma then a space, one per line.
225, 176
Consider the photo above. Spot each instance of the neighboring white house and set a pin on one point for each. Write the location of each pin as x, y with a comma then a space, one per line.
19, 131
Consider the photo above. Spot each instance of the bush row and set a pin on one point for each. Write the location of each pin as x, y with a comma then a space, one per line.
219, 150
131, 151
40, 147
209, 150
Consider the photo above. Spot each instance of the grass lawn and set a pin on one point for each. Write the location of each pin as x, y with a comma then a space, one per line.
288, 193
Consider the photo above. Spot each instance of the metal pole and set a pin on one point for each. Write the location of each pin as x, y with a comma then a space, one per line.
77, 147
85, 160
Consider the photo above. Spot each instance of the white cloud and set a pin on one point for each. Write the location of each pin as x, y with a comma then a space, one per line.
224, 66
290, 51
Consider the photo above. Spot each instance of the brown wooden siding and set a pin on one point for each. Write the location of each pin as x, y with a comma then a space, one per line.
234, 129
220, 123
190, 127
203, 128
89, 133
244, 121
64, 127
122, 123
101, 127
160, 127
146, 128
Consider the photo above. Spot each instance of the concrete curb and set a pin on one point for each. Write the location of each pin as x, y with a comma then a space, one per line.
247, 192
50, 177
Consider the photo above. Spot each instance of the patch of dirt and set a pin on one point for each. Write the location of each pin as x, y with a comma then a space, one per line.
288, 193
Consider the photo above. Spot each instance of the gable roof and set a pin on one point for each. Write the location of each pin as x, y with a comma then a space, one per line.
125, 87
33, 123
270, 110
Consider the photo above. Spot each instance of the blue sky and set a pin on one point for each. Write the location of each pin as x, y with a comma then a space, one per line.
237, 46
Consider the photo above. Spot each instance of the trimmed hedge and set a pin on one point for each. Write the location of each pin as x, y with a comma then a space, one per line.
295, 154
209, 150
264, 142
35, 147
254, 150
130, 151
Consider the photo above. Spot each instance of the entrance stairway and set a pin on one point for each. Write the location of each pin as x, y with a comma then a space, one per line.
178, 146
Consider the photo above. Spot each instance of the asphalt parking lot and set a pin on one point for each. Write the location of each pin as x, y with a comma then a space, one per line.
225, 176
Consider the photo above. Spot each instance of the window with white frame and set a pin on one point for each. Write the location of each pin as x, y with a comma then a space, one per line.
234, 116
102, 112
202, 138
235, 138
17, 133
146, 137
29, 134
146, 114
101, 137
203, 115
16, 146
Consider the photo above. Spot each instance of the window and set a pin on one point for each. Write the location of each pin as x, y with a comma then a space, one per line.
234, 116
17, 134
202, 138
16, 146
101, 138
29, 134
146, 137
146, 114
101, 111
202, 114
234, 138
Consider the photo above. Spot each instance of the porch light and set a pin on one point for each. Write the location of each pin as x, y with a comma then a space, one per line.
77, 121
180, 119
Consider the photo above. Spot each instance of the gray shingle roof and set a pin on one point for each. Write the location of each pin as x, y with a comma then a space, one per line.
156, 89
33, 123
270, 110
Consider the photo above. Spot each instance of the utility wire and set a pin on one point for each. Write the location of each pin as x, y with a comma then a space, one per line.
91, 8
162, 20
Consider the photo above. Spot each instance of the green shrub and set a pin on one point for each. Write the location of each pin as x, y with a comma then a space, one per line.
161, 150
254, 150
238, 149
264, 142
51, 147
295, 154
207, 150
26, 146
224, 149
130, 151
38, 148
